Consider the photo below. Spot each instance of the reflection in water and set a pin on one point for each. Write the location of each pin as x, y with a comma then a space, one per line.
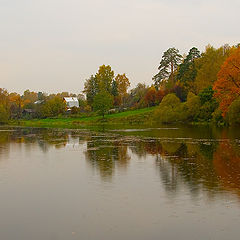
45, 178
105, 153
207, 163
227, 165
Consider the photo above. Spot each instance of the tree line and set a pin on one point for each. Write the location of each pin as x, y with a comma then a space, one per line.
200, 87
192, 87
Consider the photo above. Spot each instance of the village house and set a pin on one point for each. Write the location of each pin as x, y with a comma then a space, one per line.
71, 102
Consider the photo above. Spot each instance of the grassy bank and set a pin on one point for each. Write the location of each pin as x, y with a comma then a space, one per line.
139, 116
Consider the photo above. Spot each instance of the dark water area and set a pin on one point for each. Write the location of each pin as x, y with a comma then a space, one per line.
136, 183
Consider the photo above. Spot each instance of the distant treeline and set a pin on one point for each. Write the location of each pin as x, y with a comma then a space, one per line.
195, 87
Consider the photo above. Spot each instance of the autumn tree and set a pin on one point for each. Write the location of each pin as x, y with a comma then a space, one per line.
178, 89
53, 107
136, 96
122, 85
16, 104
29, 98
227, 86
151, 96
101, 81
159, 95
104, 78
168, 65
208, 66
4, 98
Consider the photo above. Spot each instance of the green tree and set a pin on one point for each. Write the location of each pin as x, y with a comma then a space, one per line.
208, 104
3, 114
102, 102
114, 88
168, 65
206, 95
234, 112
91, 88
102, 81
187, 70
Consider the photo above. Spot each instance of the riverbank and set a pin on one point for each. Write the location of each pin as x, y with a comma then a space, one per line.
139, 116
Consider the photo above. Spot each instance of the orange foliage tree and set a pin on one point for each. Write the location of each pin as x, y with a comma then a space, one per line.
227, 86
150, 96
159, 96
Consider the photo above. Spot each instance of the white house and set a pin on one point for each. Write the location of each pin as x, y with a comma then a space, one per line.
71, 102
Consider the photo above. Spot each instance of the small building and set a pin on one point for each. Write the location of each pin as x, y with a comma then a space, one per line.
71, 102
29, 113
39, 102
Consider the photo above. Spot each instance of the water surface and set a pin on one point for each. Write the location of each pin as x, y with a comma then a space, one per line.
151, 183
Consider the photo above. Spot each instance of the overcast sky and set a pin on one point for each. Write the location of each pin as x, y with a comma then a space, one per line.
54, 45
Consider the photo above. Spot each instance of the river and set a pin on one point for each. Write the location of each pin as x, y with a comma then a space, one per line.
114, 184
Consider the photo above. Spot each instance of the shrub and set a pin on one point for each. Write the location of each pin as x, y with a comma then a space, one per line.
170, 109
193, 105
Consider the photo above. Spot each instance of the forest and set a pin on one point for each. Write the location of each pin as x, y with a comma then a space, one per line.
194, 87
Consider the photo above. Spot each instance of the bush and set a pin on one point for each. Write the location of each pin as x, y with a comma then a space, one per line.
193, 105
75, 110
170, 110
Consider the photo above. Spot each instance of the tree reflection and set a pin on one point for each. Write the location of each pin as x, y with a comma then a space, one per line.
182, 163
209, 165
44, 138
227, 165
106, 154
4, 142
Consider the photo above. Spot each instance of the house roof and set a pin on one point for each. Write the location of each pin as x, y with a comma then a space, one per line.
38, 102
71, 99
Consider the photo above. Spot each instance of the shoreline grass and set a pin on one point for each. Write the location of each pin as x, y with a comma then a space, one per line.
139, 116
